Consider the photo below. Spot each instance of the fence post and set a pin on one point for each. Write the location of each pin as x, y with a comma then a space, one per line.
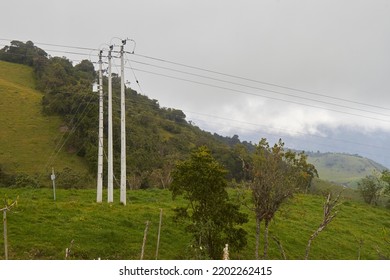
159, 233
144, 242
5, 233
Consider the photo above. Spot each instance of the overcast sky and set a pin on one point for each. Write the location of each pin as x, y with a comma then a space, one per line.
336, 52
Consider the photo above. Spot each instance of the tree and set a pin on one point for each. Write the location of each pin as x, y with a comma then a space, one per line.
385, 178
213, 218
24, 53
370, 189
276, 175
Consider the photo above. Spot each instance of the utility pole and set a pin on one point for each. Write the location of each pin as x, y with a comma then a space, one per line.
123, 129
99, 196
110, 187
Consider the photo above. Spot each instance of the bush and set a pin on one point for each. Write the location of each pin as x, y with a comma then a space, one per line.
24, 180
369, 188
70, 179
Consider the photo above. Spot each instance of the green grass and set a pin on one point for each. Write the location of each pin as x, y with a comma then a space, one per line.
343, 168
40, 228
28, 138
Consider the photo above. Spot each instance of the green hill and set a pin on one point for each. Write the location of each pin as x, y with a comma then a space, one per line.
51, 100
343, 169
39, 228
28, 137
156, 137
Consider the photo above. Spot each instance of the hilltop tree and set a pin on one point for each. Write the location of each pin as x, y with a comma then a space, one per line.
213, 218
23, 53
276, 175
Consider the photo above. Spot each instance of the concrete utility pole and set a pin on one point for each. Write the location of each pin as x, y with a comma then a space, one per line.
123, 129
110, 176
99, 196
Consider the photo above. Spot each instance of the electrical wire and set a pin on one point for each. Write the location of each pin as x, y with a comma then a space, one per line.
259, 95
230, 76
262, 89
135, 76
75, 126
258, 81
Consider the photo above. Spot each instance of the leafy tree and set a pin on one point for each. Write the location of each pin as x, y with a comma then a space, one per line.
370, 189
213, 218
385, 178
276, 175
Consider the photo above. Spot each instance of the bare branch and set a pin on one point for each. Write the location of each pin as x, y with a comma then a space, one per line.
280, 247
329, 215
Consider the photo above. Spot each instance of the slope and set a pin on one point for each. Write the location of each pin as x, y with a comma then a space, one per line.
28, 138
343, 169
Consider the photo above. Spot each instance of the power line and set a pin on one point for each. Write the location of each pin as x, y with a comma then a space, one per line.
227, 75
259, 95
285, 131
258, 88
258, 81
231, 76
219, 73
61, 143
135, 76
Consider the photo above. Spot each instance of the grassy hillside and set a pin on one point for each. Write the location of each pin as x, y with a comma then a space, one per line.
343, 169
156, 137
28, 138
40, 228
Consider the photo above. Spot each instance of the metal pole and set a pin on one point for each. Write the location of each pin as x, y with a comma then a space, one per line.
99, 196
110, 197
123, 130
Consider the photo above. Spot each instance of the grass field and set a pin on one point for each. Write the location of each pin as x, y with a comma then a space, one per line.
343, 169
40, 228
28, 138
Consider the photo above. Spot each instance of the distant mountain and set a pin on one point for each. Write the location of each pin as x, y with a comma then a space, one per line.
343, 169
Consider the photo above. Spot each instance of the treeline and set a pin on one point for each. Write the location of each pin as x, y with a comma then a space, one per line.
156, 137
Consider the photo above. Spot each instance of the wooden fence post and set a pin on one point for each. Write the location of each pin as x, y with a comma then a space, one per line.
159, 233
5, 233
144, 242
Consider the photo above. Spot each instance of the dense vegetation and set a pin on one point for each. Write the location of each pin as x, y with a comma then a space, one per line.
156, 137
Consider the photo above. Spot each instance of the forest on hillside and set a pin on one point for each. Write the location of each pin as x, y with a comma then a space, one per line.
157, 137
